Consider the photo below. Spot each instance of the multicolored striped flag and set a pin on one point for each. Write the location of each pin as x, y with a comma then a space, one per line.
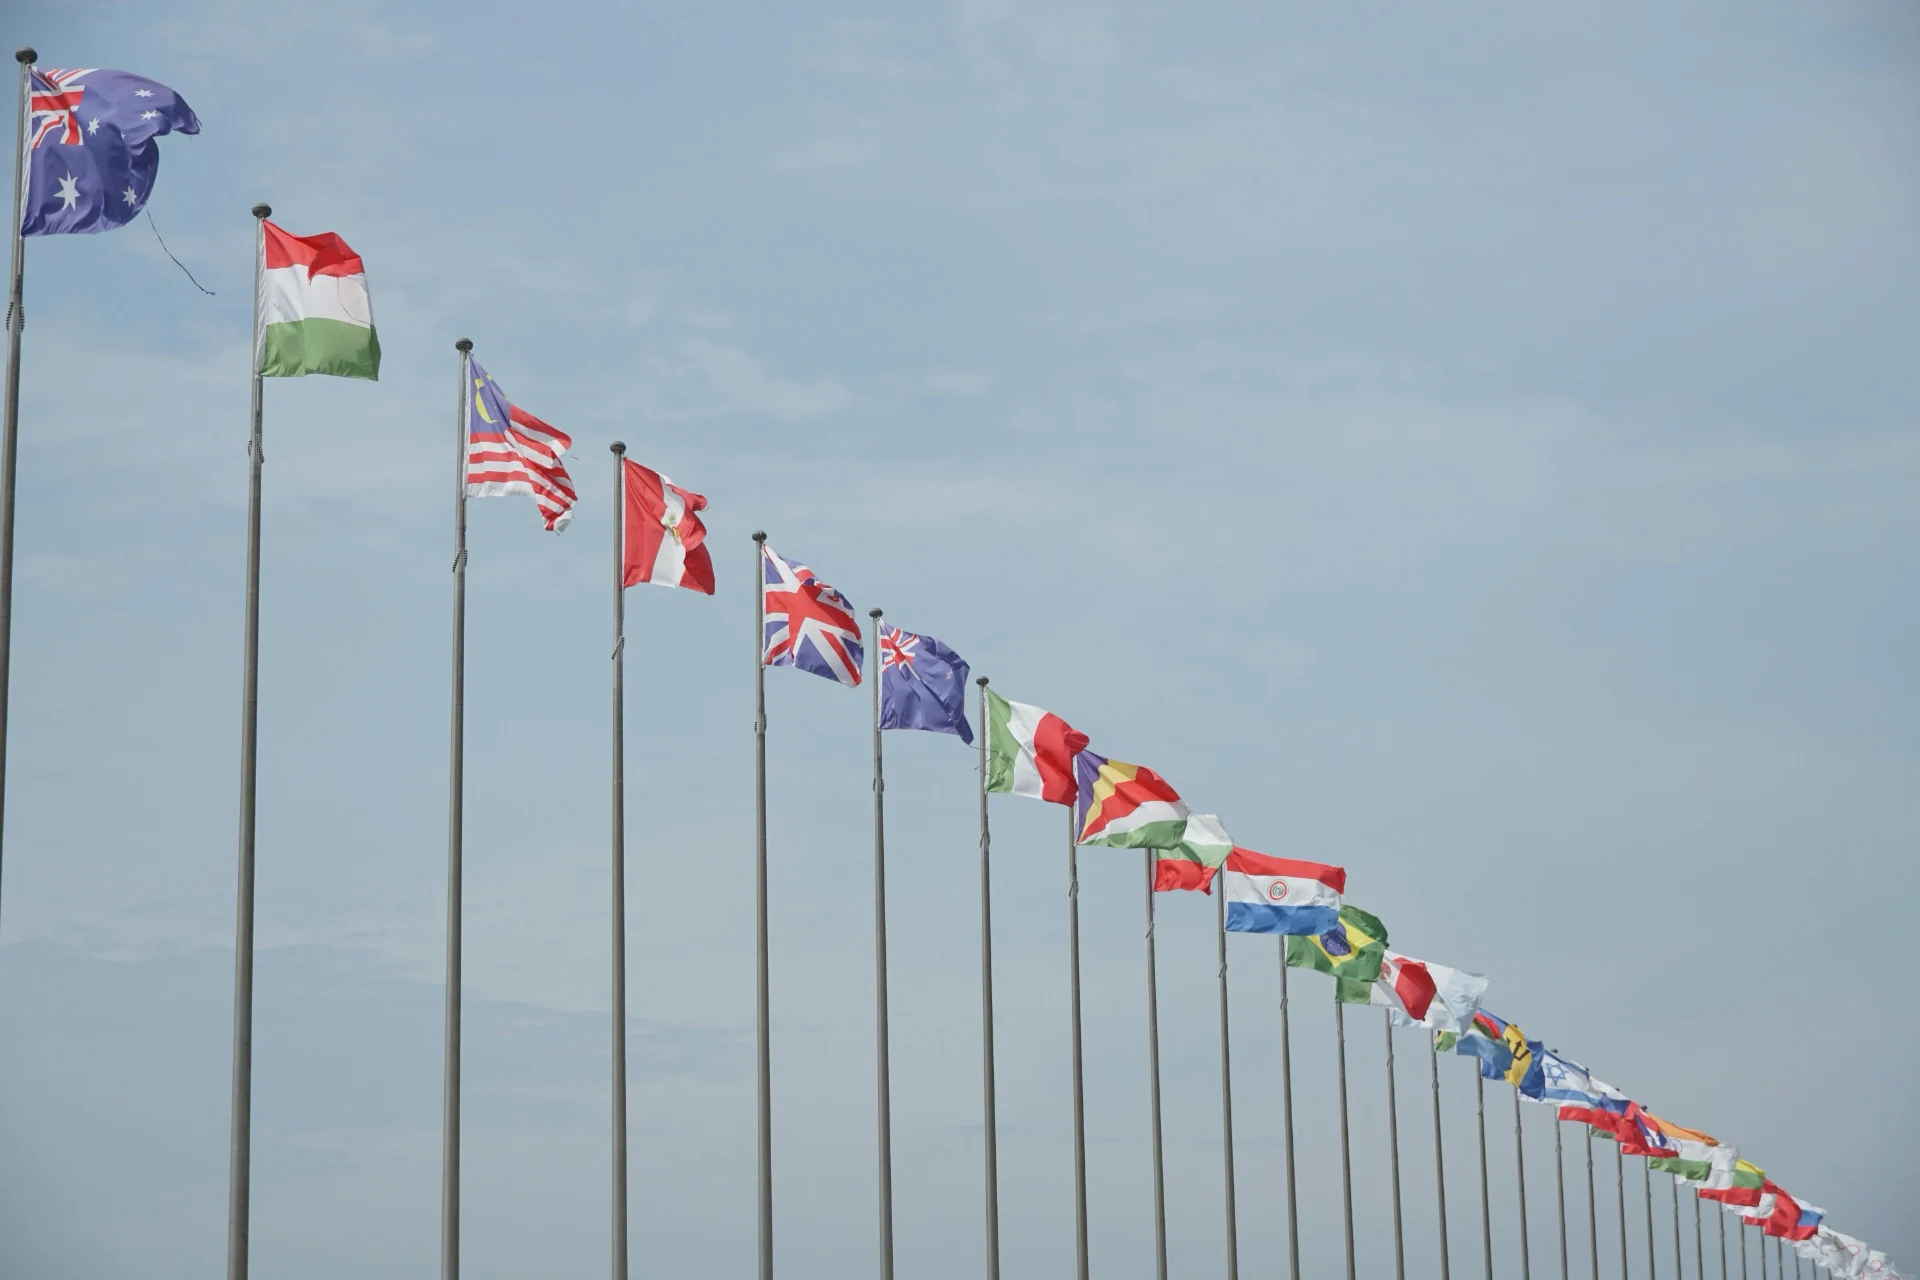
314, 312
1696, 1154
1281, 895
1030, 751
1204, 846
1736, 1188
510, 451
1127, 806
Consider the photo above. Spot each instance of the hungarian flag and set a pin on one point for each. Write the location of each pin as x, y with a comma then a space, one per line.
1404, 986
1127, 806
664, 541
315, 316
1030, 752
1191, 864
1281, 895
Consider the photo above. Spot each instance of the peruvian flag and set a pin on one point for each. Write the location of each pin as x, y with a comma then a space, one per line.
1405, 984
664, 541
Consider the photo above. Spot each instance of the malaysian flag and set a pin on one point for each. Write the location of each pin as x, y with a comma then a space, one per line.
809, 625
511, 451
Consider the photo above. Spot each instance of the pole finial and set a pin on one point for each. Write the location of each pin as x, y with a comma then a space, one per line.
873, 613
463, 345
618, 446
759, 535
263, 210
981, 681
26, 55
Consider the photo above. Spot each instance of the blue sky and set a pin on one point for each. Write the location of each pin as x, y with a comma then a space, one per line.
1473, 447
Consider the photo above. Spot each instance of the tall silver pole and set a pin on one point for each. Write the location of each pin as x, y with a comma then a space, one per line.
986, 1007
240, 1133
1346, 1147
1393, 1148
456, 813
1699, 1245
1762, 1251
1286, 1120
1079, 1095
883, 1093
619, 863
1742, 1233
1439, 1159
1722, 1219
1646, 1181
1486, 1207
10, 440
1520, 1176
1593, 1216
763, 1065
1153, 1085
1679, 1263
1226, 1089
1560, 1192
1620, 1191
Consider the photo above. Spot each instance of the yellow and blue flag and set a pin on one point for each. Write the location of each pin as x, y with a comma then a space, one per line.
1352, 949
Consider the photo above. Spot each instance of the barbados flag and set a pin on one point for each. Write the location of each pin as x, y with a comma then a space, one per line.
1352, 949
1501, 1047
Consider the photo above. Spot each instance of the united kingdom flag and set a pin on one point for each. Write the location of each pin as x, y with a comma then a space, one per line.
808, 625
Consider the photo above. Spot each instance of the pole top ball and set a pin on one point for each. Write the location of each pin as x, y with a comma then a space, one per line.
759, 535
26, 55
463, 345
618, 446
873, 613
981, 681
263, 211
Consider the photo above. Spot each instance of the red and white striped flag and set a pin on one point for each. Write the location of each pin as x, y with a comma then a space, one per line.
511, 451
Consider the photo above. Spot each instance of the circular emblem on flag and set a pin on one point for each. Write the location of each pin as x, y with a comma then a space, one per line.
1335, 942
1277, 891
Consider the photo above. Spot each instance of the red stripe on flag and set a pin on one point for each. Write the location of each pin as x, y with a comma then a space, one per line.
323, 255
1055, 744
1170, 874
1250, 863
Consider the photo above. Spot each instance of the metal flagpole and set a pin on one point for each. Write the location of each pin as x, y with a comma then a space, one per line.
1393, 1147
1722, 1219
1153, 1085
883, 1091
1699, 1246
240, 1137
1439, 1159
456, 781
1743, 1249
1079, 1095
986, 1008
762, 1024
1486, 1209
10, 441
1762, 1251
1646, 1180
619, 1118
1520, 1175
1560, 1192
1346, 1150
1620, 1190
1226, 1091
1286, 1121
1679, 1262
1593, 1217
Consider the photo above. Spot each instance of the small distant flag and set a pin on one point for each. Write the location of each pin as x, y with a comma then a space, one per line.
91, 156
1811, 1217
1695, 1155
1456, 996
809, 625
510, 451
1281, 895
1558, 1081
1500, 1046
1127, 806
1737, 1188
665, 541
923, 685
1404, 986
1353, 948
1640, 1135
1030, 751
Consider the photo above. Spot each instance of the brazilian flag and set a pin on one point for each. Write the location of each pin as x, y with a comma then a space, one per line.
1352, 949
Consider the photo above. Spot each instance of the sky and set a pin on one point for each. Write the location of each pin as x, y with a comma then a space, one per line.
1473, 446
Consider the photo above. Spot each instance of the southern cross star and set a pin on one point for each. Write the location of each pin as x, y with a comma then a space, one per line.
149, 115
130, 195
143, 93
93, 126
69, 192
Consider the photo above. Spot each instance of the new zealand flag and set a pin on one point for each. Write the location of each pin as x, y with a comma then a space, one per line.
923, 685
91, 154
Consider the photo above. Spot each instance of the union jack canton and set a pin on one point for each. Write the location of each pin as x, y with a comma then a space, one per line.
809, 625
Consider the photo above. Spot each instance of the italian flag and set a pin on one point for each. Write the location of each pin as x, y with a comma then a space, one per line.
1030, 752
315, 316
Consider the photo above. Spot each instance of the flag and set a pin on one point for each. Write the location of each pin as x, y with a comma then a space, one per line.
511, 451
1500, 1046
809, 625
1281, 895
1201, 849
1353, 948
1842, 1254
923, 685
1127, 806
315, 315
1558, 1081
1741, 1186
1030, 752
1404, 986
1808, 1226
91, 154
664, 541
1456, 996
1639, 1134
1696, 1154
1777, 1213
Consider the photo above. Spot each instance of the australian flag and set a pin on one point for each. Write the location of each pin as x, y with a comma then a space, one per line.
91, 154
923, 685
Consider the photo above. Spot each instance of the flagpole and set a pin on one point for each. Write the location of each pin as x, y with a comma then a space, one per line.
240, 1135
456, 783
1743, 1245
1699, 1245
1679, 1261
1286, 1120
1520, 1176
1646, 1181
1393, 1146
1762, 1251
1620, 1190
619, 864
1560, 1191
1079, 1095
1153, 1085
1593, 1216
1439, 1158
10, 444
883, 1098
1226, 1090
1722, 1217
986, 1008
763, 1065
1486, 1209
1346, 1151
